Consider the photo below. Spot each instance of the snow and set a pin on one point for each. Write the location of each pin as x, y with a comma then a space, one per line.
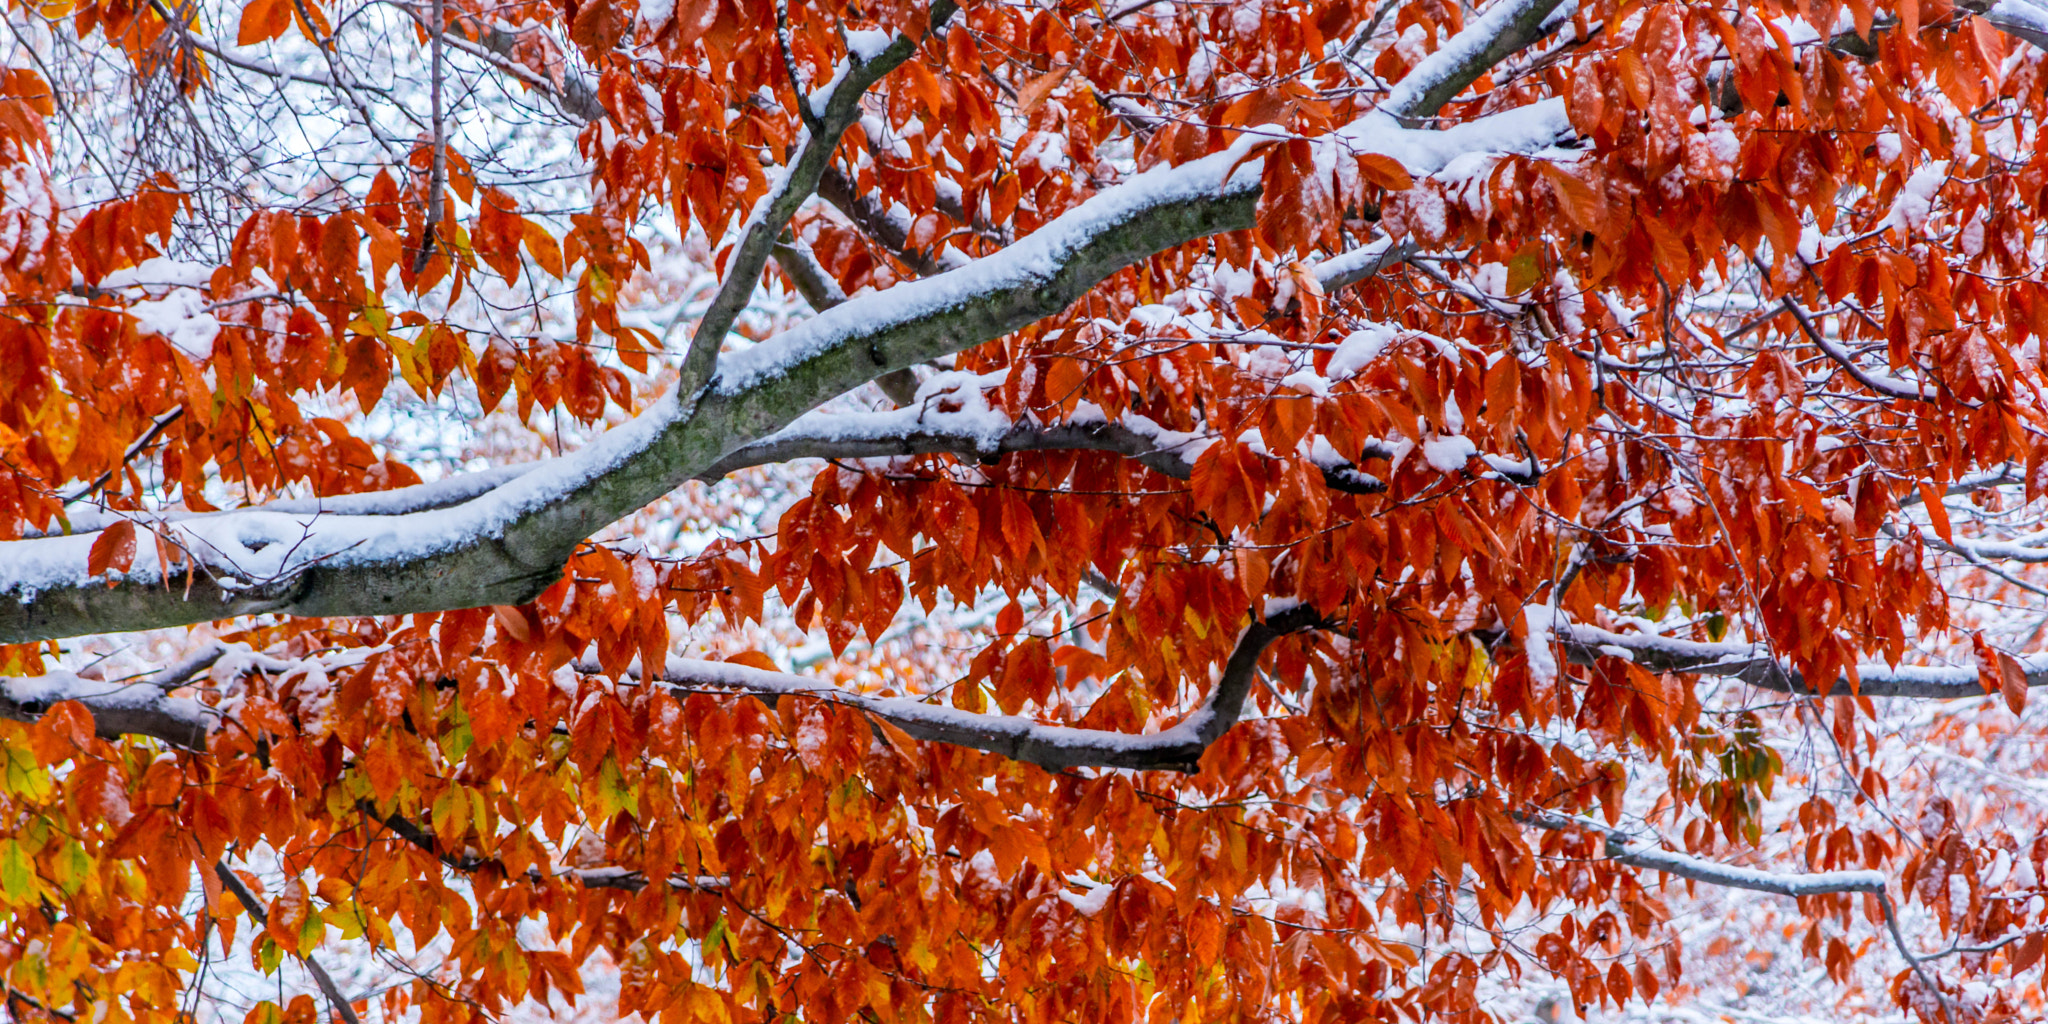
1541, 620
1047, 150
60, 685
868, 43
1089, 903
1915, 201
181, 318
160, 271
1447, 454
1360, 348
1356, 261
2026, 18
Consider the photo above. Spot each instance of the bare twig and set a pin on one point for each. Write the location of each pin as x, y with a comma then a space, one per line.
230, 881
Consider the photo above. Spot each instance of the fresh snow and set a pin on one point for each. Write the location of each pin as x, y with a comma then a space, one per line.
181, 317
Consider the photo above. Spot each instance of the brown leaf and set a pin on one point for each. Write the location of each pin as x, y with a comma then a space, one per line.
598, 26
2012, 681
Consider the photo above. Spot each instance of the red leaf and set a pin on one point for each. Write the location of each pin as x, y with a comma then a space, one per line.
1937, 513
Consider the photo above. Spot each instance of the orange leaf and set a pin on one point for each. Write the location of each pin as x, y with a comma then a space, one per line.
1385, 171
544, 248
1937, 513
754, 659
693, 19
263, 20
1036, 90
512, 621
114, 548
928, 88
1577, 198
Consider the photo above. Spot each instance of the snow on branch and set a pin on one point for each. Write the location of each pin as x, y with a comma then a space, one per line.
1055, 748
1753, 664
833, 109
1625, 850
509, 543
146, 707
1504, 30
118, 709
2027, 19
977, 431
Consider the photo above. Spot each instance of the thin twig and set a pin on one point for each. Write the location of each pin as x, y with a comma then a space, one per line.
233, 884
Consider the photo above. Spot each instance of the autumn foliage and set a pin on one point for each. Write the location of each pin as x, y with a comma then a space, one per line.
1523, 473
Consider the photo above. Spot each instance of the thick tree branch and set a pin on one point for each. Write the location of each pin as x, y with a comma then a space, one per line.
118, 709
505, 546
508, 544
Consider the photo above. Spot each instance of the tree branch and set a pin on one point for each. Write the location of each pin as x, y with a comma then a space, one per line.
830, 114
1052, 747
1504, 30
1752, 664
118, 709
915, 430
508, 544
1625, 850
875, 220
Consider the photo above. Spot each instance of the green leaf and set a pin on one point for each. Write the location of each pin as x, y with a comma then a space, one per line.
18, 874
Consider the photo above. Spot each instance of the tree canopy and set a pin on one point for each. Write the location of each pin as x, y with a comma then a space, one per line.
1308, 510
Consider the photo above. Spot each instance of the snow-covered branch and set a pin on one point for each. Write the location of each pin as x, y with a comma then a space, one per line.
985, 434
1753, 664
1504, 30
509, 543
118, 709
1624, 849
1055, 748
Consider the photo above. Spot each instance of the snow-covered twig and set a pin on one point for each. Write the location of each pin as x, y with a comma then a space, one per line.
1752, 664
1055, 748
1623, 848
